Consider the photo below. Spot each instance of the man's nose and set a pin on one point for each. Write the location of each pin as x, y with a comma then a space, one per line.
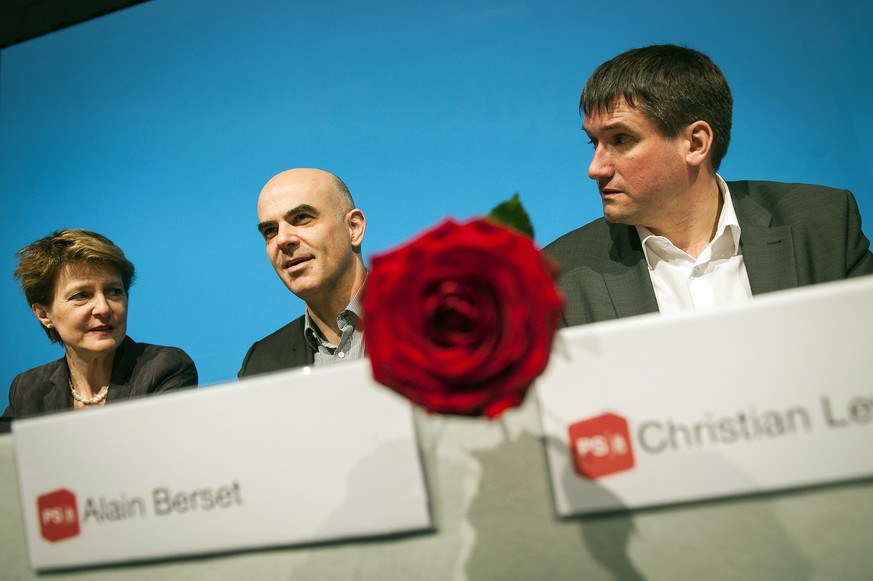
600, 165
287, 236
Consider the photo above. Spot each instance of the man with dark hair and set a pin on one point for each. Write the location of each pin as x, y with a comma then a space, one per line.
313, 234
674, 235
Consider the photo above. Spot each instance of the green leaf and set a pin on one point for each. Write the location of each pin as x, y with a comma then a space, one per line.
511, 213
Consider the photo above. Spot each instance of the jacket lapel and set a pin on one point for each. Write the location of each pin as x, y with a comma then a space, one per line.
299, 352
769, 257
59, 396
768, 251
289, 348
122, 369
628, 283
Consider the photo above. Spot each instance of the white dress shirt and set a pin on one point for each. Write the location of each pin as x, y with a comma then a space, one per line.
717, 277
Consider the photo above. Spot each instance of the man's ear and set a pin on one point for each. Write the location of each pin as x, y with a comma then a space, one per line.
41, 313
357, 224
699, 137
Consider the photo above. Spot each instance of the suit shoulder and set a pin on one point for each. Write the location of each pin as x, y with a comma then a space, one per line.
284, 348
593, 237
596, 230
289, 332
29, 387
793, 203
151, 368
38, 374
150, 351
779, 194
762, 187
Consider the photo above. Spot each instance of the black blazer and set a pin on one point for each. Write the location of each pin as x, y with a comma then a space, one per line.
792, 235
284, 349
138, 369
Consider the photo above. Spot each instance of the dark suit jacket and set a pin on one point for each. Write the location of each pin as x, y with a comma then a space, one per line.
138, 369
792, 235
284, 349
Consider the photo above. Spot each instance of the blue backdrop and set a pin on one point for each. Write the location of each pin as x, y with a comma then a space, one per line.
158, 125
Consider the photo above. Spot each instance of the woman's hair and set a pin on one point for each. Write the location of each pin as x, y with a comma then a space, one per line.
40, 264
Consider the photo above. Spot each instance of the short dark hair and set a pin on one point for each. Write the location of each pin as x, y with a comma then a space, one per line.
40, 264
673, 86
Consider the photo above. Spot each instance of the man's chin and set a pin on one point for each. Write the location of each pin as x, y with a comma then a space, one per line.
299, 289
615, 218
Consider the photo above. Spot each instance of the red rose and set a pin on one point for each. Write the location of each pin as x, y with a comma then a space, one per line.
461, 319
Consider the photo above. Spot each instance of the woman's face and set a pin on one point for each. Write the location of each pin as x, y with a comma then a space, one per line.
89, 309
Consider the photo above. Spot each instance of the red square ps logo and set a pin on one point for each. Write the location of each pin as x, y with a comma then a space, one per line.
58, 516
601, 446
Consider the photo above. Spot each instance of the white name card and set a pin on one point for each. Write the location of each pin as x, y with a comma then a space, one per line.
773, 394
275, 460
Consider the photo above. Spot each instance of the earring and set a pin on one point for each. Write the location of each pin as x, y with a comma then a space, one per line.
49, 326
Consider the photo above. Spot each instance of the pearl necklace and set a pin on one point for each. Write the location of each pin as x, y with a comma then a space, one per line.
89, 400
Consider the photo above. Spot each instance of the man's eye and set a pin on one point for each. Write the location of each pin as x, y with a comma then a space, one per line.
621, 140
302, 218
268, 233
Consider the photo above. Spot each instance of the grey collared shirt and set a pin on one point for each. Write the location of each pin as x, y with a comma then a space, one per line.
351, 343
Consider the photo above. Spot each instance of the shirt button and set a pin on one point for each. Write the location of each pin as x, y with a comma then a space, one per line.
340, 354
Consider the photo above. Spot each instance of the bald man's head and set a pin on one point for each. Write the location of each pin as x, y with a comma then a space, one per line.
313, 234
316, 179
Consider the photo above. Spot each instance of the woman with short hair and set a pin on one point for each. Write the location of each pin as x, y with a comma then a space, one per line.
76, 283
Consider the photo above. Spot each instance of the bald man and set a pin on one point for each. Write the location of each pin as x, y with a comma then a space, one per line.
313, 234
